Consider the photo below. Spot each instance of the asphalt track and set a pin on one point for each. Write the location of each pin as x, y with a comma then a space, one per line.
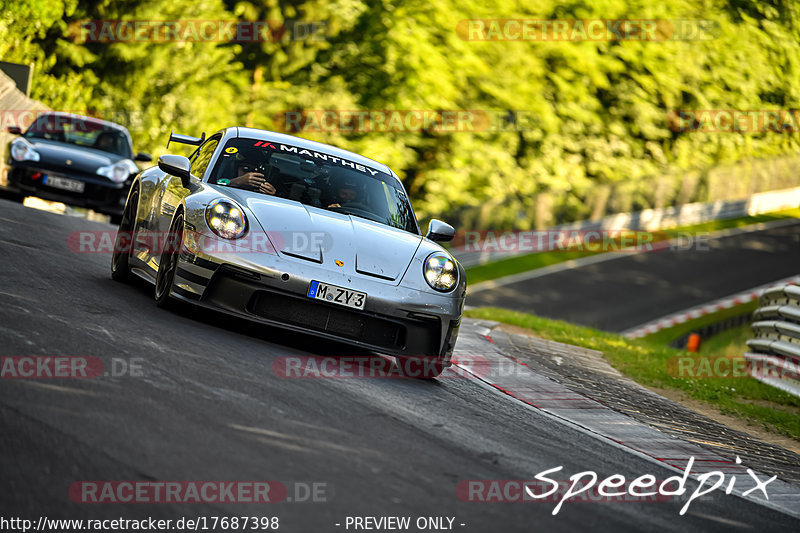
633, 289
207, 405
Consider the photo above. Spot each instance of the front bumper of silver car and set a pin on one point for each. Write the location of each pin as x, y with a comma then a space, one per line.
272, 289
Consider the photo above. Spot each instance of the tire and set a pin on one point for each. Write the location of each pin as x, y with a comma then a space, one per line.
115, 219
123, 244
168, 264
12, 196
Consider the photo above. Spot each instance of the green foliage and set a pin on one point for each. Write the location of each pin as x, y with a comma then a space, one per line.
589, 114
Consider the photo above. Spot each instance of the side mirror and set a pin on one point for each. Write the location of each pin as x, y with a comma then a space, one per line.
16, 130
440, 232
141, 156
176, 165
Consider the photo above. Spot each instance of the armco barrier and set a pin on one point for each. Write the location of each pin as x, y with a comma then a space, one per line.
658, 219
710, 330
777, 338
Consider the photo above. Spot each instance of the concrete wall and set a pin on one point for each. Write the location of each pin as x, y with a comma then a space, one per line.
15, 110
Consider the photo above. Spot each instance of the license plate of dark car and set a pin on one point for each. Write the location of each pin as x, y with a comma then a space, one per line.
64, 183
337, 295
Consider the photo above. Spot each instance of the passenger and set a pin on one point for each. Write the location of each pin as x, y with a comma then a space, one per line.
345, 191
247, 178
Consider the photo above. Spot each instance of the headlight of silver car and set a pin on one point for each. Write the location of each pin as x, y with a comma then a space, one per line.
226, 219
119, 171
22, 150
440, 272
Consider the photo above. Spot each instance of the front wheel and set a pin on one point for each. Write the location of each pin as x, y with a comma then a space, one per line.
12, 196
168, 264
123, 245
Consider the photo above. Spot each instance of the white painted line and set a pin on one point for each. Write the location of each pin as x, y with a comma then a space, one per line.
713, 306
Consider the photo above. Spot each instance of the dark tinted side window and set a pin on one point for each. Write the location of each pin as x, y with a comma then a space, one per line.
202, 157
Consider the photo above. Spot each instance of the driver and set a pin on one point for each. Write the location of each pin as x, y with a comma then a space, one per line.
345, 191
248, 178
106, 141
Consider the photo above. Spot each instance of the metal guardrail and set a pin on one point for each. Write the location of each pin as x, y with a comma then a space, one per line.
710, 330
774, 356
648, 220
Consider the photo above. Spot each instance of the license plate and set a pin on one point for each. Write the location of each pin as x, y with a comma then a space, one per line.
337, 295
64, 183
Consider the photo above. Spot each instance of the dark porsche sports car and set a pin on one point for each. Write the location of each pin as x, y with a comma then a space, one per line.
297, 234
76, 160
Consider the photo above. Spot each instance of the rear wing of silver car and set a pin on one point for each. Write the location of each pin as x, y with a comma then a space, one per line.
186, 139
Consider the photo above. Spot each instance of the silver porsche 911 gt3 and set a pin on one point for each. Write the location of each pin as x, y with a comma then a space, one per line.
296, 234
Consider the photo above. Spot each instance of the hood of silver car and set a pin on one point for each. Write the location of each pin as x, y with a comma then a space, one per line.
335, 240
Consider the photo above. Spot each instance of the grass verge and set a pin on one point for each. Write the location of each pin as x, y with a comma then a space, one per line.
647, 364
526, 262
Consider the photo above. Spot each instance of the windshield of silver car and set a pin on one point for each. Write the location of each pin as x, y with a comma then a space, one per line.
314, 178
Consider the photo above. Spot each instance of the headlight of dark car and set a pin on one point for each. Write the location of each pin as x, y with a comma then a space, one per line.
226, 219
440, 272
22, 150
119, 171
